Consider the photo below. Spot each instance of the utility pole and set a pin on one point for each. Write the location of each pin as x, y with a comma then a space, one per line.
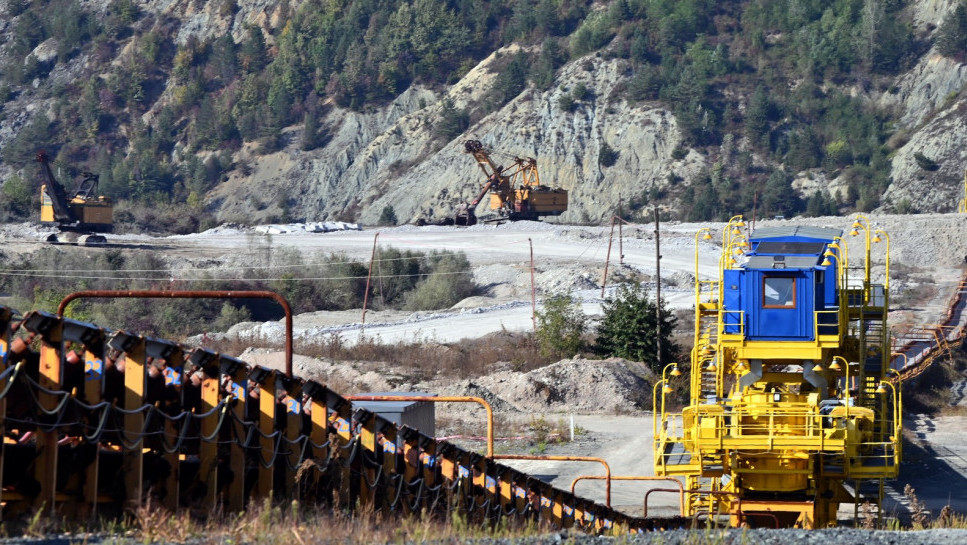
658, 287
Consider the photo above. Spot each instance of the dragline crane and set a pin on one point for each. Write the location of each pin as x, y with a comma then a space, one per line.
515, 191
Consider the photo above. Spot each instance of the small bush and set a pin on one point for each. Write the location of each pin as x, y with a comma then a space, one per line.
904, 206
560, 325
925, 162
17, 199
231, 315
566, 103
607, 156
387, 216
450, 282
629, 328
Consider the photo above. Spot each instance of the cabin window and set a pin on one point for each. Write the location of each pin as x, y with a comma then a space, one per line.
778, 292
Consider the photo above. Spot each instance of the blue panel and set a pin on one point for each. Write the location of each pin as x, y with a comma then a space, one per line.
794, 324
732, 300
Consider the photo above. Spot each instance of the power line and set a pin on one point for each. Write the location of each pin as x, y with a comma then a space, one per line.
203, 269
186, 279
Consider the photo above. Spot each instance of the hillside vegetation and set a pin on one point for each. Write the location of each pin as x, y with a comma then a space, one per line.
168, 102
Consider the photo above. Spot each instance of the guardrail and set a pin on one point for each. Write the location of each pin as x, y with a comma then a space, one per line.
922, 347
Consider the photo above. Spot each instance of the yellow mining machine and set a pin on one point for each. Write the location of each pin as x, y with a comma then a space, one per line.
516, 192
794, 408
84, 213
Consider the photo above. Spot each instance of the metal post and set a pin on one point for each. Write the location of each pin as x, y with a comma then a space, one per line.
607, 259
135, 387
238, 387
208, 450
369, 276
52, 378
267, 455
657, 287
533, 288
621, 243
5, 331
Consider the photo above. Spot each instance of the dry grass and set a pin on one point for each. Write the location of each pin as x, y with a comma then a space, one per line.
267, 523
919, 515
467, 358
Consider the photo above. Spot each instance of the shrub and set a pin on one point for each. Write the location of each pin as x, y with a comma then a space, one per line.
560, 325
952, 36
904, 206
450, 282
925, 162
387, 216
17, 198
628, 328
566, 103
452, 122
607, 156
231, 315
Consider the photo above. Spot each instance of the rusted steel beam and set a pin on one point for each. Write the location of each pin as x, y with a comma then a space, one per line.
192, 294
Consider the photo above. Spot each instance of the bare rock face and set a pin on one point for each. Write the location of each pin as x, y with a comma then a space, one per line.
390, 157
943, 140
925, 89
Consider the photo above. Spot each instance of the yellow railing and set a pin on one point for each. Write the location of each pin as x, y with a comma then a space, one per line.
876, 458
790, 425
821, 329
732, 319
708, 291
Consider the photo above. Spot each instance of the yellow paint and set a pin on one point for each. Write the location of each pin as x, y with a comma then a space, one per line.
734, 442
134, 391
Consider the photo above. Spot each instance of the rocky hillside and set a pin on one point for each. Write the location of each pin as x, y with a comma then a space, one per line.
699, 107
389, 157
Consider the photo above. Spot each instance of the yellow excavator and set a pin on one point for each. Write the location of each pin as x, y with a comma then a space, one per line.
515, 191
78, 217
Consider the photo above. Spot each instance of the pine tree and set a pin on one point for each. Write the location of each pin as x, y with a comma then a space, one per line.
952, 36
387, 216
629, 328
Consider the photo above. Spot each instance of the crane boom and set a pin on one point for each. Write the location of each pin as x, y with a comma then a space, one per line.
55, 192
515, 191
84, 212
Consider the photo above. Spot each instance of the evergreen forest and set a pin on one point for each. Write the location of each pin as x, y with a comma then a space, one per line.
765, 89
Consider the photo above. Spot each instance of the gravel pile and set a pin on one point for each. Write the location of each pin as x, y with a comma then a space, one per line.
568, 386
575, 385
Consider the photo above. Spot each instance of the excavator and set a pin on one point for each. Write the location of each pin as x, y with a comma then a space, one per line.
81, 216
515, 191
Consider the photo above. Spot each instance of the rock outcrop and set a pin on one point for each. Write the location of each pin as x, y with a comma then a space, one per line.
390, 157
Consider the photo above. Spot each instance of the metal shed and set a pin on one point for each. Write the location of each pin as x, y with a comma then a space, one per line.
419, 415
